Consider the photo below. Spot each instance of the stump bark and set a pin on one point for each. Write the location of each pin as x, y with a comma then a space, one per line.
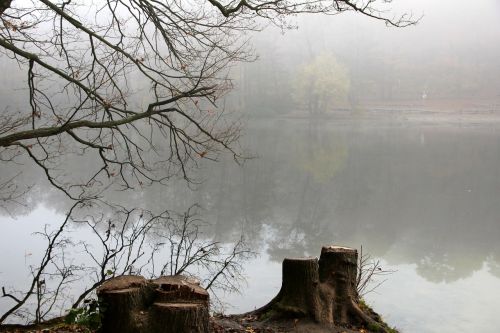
170, 304
324, 291
298, 294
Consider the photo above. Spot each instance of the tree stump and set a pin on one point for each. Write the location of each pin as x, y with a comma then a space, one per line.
179, 317
298, 294
324, 291
122, 299
169, 304
338, 268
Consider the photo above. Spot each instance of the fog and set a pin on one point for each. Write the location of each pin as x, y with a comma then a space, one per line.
451, 55
357, 134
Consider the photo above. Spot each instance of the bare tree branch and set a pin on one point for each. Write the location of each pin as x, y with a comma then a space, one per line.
36, 281
369, 272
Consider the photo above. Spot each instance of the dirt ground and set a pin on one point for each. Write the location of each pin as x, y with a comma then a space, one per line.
239, 324
218, 324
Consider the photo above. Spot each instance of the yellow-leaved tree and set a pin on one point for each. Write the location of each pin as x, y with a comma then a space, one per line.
322, 84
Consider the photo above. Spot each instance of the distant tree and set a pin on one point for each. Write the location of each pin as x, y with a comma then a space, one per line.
321, 84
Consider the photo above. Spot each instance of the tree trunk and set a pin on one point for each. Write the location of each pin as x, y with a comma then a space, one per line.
324, 290
298, 294
337, 274
179, 317
170, 304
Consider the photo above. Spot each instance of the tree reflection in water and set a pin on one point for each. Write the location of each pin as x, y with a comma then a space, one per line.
424, 196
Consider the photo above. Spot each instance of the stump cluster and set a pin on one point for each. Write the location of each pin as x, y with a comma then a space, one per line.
323, 290
170, 304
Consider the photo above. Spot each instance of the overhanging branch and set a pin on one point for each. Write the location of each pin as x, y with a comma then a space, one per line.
56, 130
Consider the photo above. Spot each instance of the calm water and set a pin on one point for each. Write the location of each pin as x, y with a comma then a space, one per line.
424, 198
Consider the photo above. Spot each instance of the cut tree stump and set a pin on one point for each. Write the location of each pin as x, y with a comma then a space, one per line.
169, 304
299, 288
179, 317
323, 291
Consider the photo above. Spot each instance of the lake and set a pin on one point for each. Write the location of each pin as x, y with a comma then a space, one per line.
423, 197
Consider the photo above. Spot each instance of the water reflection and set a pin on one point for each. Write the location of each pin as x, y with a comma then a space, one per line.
425, 199
435, 200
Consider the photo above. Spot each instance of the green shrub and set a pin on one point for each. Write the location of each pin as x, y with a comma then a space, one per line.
89, 315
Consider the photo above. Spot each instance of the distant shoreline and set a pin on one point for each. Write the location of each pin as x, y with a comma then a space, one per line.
439, 112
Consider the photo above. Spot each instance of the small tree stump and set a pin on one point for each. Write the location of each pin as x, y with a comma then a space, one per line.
337, 274
123, 298
298, 294
170, 304
179, 317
